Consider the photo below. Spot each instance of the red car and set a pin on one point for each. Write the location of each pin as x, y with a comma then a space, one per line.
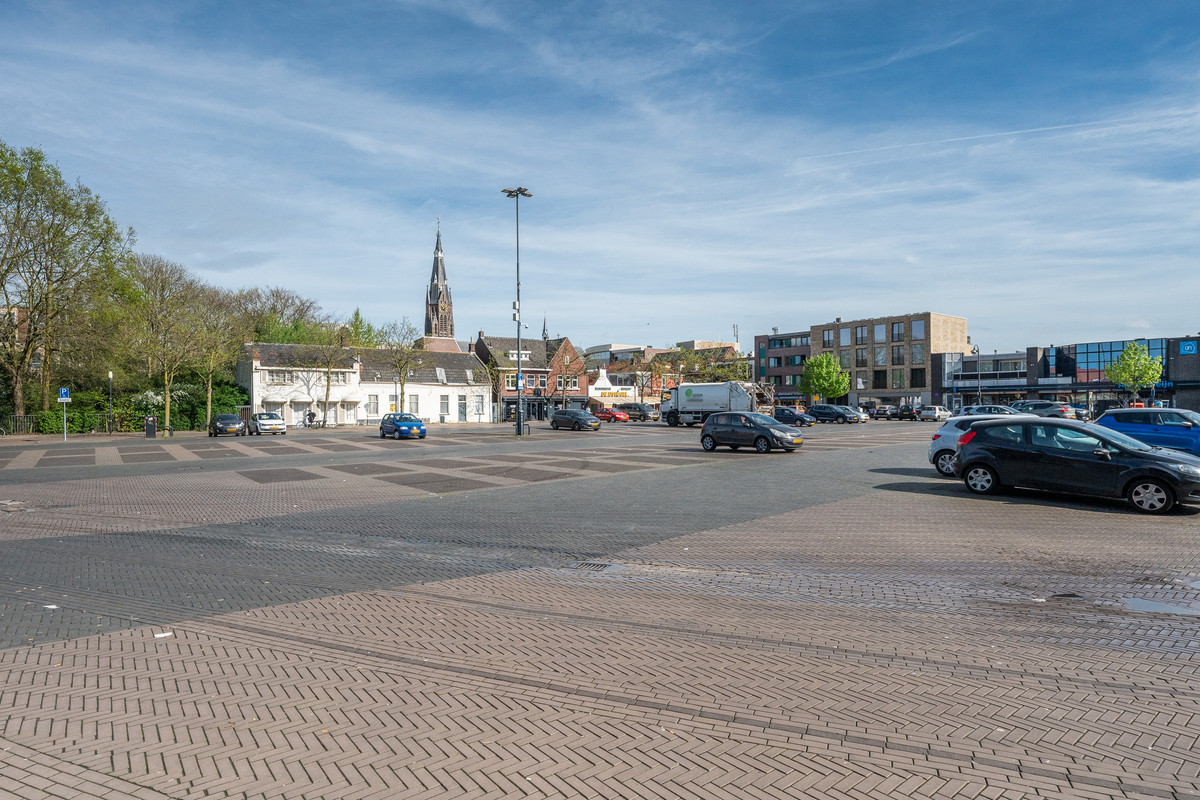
611, 415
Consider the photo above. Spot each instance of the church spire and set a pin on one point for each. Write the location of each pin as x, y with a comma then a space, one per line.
545, 331
439, 307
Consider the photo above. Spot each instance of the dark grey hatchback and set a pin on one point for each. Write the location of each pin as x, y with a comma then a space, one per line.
1066, 456
745, 429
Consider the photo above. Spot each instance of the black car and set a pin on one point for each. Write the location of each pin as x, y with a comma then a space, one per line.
1074, 457
227, 423
885, 412
790, 416
736, 429
574, 419
639, 412
908, 412
824, 412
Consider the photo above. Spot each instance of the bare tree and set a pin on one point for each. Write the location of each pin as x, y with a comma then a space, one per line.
402, 352
163, 320
219, 338
330, 338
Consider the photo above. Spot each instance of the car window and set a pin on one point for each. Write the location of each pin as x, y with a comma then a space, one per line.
762, 419
1078, 441
1005, 433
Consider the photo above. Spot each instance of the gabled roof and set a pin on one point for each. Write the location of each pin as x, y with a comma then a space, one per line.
453, 365
296, 356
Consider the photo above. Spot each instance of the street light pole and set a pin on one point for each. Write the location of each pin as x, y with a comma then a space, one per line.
396, 389
978, 376
110, 403
517, 194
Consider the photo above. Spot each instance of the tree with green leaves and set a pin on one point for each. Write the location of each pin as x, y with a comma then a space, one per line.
57, 244
824, 377
1134, 369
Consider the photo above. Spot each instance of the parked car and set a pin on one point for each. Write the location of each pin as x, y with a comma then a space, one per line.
267, 422
574, 419
1082, 411
825, 412
611, 415
933, 413
640, 412
885, 412
1068, 456
974, 411
1045, 408
226, 423
1176, 428
401, 425
790, 416
908, 412
945, 439
736, 429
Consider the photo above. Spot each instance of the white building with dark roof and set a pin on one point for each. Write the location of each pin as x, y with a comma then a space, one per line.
361, 385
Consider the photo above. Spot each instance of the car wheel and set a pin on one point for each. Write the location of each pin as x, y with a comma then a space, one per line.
762, 445
382, 435
1150, 496
708, 442
981, 479
841, 420
211, 434
553, 425
944, 462
576, 427
283, 433
396, 434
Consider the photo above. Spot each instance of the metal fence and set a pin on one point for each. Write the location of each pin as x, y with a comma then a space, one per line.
21, 423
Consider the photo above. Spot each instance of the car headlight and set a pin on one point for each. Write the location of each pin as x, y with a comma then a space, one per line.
1188, 469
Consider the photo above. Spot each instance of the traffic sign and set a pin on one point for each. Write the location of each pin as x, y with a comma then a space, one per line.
520, 380
64, 395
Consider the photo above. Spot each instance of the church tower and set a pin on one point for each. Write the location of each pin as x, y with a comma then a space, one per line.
439, 308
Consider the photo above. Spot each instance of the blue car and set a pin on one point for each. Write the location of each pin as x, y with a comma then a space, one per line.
1175, 428
401, 426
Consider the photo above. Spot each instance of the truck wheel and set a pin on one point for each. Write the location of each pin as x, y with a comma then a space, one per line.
672, 419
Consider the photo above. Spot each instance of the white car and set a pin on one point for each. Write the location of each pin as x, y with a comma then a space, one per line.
933, 413
943, 445
267, 422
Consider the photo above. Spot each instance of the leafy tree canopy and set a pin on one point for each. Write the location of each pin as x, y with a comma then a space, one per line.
824, 377
1134, 369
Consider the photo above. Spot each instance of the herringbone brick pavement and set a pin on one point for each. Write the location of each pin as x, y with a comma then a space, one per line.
902, 641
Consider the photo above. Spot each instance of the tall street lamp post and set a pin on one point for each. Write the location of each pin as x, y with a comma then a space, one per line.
978, 376
396, 396
517, 194
110, 420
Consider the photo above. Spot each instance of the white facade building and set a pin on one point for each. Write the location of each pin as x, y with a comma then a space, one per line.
362, 387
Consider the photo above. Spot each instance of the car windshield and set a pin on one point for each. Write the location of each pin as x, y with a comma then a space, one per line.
407, 418
1190, 416
271, 415
762, 419
1121, 440
228, 418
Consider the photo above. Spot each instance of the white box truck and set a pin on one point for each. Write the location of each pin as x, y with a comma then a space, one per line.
691, 403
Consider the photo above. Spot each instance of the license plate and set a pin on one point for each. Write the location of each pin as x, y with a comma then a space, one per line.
797, 441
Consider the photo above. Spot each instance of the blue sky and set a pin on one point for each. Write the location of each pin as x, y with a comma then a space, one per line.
1032, 166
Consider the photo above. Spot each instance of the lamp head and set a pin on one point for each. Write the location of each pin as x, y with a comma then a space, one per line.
519, 191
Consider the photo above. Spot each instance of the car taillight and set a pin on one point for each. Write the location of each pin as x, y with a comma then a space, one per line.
965, 438
936, 436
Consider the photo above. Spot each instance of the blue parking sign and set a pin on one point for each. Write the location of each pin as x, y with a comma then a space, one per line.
64, 393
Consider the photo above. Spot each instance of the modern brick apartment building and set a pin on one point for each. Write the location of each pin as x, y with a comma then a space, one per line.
889, 358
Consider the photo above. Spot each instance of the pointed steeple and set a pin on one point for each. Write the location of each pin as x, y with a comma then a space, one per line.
545, 331
439, 307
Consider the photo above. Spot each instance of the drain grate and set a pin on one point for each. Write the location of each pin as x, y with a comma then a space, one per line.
589, 566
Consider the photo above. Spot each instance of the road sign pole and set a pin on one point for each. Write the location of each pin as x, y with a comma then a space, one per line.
64, 405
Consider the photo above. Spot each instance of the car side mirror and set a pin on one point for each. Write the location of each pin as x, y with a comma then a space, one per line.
1187, 424
1102, 453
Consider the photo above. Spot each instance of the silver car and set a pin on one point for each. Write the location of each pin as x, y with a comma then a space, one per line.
933, 413
942, 446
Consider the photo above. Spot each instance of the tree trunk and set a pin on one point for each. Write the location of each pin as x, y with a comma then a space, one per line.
328, 389
208, 382
166, 400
